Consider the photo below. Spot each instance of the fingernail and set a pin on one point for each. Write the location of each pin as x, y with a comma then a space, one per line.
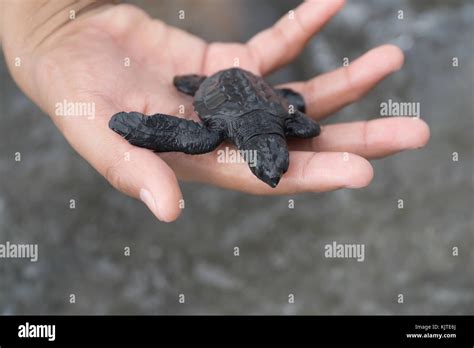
150, 202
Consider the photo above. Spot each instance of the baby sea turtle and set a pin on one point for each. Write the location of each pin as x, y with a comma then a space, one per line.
233, 104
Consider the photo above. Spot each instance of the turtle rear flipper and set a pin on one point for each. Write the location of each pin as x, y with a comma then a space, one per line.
301, 126
165, 133
292, 97
188, 84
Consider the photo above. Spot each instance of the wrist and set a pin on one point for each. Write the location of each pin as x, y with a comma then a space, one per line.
33, 21
29, 28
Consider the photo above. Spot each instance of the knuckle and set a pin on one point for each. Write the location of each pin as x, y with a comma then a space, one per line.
116, 175
353, 93
306, 168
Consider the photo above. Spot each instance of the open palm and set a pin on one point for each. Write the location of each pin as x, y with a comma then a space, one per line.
122, 60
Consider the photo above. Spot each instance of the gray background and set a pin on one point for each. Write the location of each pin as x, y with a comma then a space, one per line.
408, 251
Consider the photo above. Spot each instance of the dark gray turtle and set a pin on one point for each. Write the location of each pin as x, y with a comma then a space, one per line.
233, 104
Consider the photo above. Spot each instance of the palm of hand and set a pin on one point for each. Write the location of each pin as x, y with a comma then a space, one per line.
121, 60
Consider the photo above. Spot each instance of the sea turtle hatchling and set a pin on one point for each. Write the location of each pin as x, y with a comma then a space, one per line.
233, 104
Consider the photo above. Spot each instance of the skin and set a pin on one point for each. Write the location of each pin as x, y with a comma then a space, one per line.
83, 60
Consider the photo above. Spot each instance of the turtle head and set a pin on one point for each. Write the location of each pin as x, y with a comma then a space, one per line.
270, 157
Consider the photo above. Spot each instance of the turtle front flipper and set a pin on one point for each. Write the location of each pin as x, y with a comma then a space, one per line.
164, 133
188, 84
292, 97
301, 126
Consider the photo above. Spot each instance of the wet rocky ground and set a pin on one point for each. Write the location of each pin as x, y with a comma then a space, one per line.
407, 251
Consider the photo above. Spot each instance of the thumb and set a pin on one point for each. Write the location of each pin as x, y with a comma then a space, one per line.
142, 174
135, 171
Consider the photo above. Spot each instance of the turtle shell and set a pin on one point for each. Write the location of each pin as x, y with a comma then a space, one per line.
235, 92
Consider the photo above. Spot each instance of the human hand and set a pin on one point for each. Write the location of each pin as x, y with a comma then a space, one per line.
86, 61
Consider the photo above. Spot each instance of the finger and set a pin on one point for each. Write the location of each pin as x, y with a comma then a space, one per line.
134, 171
369, 139
140, 173
329, 92
280, 44
308, 172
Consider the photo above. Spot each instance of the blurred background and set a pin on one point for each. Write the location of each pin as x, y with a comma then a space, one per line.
407, 251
